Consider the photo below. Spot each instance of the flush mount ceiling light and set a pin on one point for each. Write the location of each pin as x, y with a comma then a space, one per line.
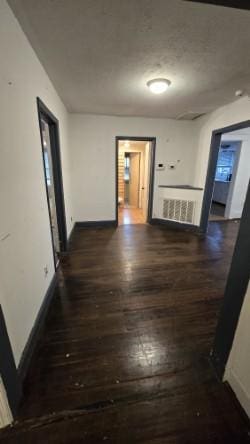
158, 86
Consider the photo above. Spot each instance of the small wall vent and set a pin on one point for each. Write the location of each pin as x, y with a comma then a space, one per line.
179, 210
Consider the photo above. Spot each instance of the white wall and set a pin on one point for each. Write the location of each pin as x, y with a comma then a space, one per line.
238, 366
25, 240
93, 150
233, 113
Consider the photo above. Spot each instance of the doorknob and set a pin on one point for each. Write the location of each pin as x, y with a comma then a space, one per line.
143, 188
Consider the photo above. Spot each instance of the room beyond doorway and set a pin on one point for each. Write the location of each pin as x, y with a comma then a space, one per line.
231, 176
134, 182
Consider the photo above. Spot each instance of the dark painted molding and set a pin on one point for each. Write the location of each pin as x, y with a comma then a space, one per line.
36, 331
8, 369
235, 292
238, 404
96, 223
52, 121
181, 187
176, 225
237, 4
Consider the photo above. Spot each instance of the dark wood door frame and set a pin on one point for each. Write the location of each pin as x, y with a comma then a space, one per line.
239, 4
45, 114
152, 140
212, 163
239, 273
235, 292
8, 370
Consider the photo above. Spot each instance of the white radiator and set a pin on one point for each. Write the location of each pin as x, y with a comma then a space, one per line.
179, 210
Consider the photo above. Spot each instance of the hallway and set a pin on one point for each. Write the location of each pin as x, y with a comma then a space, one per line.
130, 216
124, 356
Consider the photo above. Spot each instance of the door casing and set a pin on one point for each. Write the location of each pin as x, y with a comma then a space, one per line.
45, 113
239, 273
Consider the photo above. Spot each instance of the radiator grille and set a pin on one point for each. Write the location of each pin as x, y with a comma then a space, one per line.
178, 210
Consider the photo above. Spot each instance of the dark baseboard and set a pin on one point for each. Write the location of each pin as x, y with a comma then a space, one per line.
217, 366
96, 223
8, 369
36, 331
70, 236
218, 203
238, 405
176, 225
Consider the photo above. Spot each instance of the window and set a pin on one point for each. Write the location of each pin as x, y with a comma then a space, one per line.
225, 165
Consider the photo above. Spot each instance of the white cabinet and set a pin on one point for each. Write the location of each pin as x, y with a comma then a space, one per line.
221, 190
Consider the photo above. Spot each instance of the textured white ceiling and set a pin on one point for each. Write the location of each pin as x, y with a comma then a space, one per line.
100, 53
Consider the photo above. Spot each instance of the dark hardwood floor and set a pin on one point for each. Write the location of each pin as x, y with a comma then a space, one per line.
124, 357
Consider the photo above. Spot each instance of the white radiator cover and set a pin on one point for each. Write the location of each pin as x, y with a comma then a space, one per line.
179, 210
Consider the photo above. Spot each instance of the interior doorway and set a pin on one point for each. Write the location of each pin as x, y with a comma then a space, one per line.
234, 173
134, 189
49, 131
224, 194
239, 199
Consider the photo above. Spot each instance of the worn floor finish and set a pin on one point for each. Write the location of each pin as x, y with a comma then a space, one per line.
124, 356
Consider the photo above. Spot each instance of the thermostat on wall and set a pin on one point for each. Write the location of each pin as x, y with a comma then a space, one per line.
160, 167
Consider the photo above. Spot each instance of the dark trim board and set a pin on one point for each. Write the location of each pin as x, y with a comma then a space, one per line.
237, 404
96, 223
8, 369
238, 4
36, 331
46, 114
239, 273
151, 174
235, 291
212, 162
181, 187
176, 225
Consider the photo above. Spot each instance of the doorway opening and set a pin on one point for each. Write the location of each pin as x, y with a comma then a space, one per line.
227, 175
134, 187
235, 174
49, 132
226, 194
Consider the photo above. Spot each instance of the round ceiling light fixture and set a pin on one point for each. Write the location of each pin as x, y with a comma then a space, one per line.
158, 86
